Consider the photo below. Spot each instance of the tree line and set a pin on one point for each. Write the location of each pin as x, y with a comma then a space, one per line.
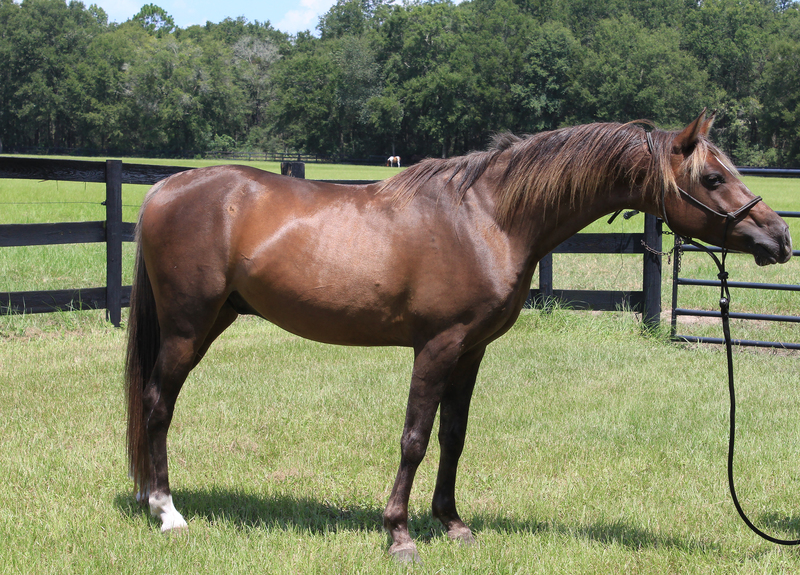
421, 78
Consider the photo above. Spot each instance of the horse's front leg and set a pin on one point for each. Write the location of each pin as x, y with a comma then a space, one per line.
452, 430
432, 367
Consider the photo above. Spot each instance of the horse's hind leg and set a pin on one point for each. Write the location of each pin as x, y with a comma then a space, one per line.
453, 415
175, 360
178, 354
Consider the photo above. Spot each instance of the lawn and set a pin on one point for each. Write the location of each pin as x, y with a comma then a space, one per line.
591, 450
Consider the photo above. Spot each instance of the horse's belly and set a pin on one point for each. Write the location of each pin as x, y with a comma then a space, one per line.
332, 315
358, 277
349, 298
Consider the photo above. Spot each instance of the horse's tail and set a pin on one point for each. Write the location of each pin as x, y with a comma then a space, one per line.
144, 340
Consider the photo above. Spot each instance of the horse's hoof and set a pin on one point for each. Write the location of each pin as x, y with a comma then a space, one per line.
174, 524
175, 531
463, 535
405, 553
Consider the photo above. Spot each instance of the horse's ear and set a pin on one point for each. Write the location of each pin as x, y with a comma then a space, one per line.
685, 142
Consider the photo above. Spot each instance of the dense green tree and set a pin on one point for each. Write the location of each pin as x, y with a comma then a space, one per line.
385, 119
154, 19
629, 72
303, 113
545, 83
46, 45
346, 17
781, 97
180, 94
433, 74
253, 60
356, 80
425, 77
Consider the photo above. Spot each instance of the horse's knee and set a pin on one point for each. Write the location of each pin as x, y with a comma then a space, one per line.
413, 447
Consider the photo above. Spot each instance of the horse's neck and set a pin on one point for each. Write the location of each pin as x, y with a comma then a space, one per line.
544, 227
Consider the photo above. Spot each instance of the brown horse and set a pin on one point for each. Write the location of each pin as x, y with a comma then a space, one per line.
438, 258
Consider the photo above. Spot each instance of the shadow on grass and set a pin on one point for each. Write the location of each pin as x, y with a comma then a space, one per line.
605, 532
249, 511
779, 523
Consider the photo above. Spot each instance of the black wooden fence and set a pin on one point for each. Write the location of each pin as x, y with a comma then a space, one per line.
646, 301
113, 231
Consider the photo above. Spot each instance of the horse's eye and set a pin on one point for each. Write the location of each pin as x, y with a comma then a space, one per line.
712, 181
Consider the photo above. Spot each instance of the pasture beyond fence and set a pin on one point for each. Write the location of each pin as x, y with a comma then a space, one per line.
113, 231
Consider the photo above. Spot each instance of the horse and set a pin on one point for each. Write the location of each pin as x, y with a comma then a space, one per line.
392, 160
438, 258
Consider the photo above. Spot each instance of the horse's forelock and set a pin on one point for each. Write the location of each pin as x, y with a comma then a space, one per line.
694, 163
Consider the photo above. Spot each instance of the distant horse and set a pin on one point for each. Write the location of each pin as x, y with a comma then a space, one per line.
438, 258
392, 160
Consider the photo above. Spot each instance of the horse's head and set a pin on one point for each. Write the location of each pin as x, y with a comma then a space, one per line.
713, 205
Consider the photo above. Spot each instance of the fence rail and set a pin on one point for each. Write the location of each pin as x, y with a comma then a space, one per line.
113, 231
646, 301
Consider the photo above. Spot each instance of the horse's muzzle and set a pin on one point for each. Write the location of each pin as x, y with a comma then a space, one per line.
773, 250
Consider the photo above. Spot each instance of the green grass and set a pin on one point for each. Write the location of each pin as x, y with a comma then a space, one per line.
590, 450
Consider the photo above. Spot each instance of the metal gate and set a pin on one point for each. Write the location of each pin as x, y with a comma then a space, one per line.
676, 311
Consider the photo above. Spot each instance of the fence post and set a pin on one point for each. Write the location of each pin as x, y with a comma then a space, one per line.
676, 268
294, 169
651, 283
546, 280
114, 241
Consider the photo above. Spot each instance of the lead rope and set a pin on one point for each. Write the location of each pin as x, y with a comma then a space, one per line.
724, 306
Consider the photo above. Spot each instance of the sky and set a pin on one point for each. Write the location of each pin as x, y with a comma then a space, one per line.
290, 16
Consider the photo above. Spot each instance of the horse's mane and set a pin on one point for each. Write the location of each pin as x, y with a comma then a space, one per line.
578, 161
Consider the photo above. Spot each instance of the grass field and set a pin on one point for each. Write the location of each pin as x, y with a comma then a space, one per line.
591, 449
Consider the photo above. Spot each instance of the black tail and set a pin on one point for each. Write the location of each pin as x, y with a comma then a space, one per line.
144, 340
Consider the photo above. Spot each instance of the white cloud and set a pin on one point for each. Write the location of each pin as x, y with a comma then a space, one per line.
304, 18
